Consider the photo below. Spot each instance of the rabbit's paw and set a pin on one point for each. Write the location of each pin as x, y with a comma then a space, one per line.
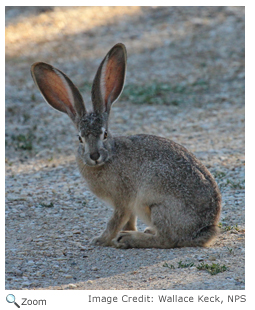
124, 240
101, 241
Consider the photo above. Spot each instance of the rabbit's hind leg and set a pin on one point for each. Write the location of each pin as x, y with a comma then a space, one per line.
203, 237
179, 228
175, 223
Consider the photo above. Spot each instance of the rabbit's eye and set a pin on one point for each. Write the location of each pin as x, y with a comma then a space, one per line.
105, 135
80, 139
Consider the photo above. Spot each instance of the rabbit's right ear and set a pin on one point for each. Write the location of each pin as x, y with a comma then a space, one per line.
58, 90
109, 79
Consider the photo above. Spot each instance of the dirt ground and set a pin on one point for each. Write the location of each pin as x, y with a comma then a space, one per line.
185, 81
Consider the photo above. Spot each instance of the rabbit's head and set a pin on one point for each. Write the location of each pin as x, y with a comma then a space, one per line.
60, 92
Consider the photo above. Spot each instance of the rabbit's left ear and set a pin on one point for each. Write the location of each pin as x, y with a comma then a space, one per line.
109, 79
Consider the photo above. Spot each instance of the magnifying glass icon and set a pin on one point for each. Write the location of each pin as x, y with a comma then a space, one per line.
11, 299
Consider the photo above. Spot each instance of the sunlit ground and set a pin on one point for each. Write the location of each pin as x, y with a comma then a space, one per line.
62, 21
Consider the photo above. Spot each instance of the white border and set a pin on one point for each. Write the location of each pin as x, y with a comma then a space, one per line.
79, 299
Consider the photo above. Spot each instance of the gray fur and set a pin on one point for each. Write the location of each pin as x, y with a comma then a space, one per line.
147, 176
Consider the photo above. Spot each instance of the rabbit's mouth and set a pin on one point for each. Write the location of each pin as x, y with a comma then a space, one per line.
93, 163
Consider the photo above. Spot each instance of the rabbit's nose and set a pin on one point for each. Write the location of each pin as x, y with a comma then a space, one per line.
94, 156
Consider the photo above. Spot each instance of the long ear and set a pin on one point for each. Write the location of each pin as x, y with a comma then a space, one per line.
58, 90
109, 79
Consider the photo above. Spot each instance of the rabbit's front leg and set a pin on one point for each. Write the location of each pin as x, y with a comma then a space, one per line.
131, 223
119, 219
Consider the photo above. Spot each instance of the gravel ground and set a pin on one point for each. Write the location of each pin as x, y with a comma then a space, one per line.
185, 81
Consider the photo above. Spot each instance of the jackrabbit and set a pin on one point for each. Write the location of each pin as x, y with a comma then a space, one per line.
141, 175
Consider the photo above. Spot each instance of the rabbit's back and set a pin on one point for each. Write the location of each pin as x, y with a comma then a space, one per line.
164, 166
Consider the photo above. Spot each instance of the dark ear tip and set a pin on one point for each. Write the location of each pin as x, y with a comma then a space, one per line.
35, 64
119, 46
32, 69
122, 45
40, 65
